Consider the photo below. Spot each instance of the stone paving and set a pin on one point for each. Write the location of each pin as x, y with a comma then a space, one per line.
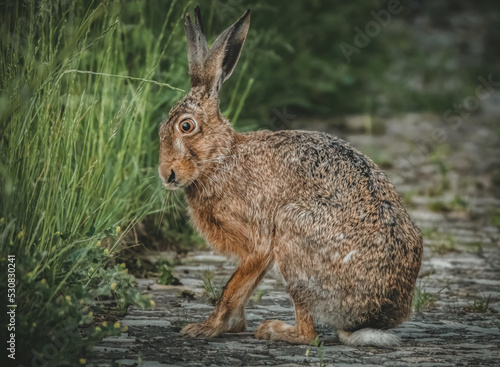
456, 324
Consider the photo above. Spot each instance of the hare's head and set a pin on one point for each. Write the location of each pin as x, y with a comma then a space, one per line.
195, 135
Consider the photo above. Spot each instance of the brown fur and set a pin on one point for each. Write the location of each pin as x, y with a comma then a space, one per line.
308, 202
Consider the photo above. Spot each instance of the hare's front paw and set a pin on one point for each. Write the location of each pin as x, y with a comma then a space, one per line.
203, 330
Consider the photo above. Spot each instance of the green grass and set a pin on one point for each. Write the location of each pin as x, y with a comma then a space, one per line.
444, 245
212, 290
165, 273
424, 300
458, 203
320, 348
257, 297
82, 91
429, 232
479, 305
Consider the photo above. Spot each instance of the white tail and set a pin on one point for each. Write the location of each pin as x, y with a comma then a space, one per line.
373, 337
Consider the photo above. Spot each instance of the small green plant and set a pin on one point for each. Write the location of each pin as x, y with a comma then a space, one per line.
479, 305
445, 245
212, 290
429, 232
458, 203
320, 350
439, 206
87, 289
423, 300
476, 246
257, 297
165, 275
437, 159
121, 285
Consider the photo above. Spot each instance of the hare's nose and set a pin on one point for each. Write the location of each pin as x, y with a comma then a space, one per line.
171, 178
167, 175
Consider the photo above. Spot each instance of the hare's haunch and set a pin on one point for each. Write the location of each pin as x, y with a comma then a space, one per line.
306, 202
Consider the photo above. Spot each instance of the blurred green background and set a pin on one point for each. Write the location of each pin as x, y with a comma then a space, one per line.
84, 86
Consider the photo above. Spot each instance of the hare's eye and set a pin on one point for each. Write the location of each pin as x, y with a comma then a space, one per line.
187, 126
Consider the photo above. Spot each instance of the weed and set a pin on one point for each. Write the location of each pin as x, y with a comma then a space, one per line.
429, 232
212, 291
436, 158
458, 203
423, 300
320, 350
165, 275
479, 305
445, 245
439, 190
257, 297
439, 206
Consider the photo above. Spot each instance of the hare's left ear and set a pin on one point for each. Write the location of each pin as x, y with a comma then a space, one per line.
225, 52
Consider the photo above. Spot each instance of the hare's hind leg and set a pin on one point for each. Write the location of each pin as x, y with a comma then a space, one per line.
302, 332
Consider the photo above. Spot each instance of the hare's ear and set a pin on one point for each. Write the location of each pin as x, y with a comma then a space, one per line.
225, 52
197, 45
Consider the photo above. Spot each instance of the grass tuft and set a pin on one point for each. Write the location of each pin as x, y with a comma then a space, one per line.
423, 300
257, 297
213, 291
479, 305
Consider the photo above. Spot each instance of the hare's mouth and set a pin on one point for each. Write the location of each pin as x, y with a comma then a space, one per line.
170, 183
172, 186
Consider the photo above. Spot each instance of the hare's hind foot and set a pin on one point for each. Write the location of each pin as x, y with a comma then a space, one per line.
278, 330
302, 332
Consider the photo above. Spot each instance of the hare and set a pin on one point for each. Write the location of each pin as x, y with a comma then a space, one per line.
309, 204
